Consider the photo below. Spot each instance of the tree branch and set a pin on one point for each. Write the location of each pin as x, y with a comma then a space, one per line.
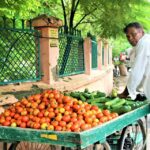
84, 17
64, 12
75, 8
72, 14
88, 22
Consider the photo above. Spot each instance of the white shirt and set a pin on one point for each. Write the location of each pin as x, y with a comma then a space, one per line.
131, 55
140, 72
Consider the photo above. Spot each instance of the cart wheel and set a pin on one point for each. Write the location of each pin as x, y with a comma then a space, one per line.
91, 147
102, 146
33, 146
133, 137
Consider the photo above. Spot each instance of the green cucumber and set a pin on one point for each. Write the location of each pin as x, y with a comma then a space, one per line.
119, 103
111, 102
86, 95
82, 98
126, 108
100, 94
98, 100
121, 110
130, 102
75, 95
86, 90
97, 104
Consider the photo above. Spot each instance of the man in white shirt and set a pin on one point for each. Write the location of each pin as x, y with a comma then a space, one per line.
130, 57
140, 73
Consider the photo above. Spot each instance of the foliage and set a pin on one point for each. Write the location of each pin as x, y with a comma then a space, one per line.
102, 18
119, 45
18, 8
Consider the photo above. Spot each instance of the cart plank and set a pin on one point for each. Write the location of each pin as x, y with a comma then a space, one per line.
71, 139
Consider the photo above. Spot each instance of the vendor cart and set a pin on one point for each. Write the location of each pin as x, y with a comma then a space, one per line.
78, 140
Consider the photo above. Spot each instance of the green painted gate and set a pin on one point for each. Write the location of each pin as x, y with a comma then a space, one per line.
94, 54
71, 53
19, 52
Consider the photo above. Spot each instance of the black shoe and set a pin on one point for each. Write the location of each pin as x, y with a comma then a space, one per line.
140, 97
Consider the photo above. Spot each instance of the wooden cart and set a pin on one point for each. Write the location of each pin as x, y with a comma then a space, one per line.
79, 140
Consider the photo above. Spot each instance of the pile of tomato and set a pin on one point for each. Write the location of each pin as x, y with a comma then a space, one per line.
51, 110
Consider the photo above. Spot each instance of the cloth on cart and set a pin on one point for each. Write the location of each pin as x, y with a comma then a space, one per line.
7, 99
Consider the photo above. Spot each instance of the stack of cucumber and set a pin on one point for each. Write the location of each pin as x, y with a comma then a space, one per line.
117, 104
114, 104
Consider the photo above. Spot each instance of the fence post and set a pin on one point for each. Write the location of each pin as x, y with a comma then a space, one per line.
110, 55
49, 49
99, 50
88, 55
106, 53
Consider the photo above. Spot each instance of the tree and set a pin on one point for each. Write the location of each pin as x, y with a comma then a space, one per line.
18, 8
104, 18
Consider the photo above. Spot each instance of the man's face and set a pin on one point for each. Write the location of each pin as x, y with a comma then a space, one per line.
133, 35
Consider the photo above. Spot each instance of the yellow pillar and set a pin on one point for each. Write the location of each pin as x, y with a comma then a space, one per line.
49, 49
88, 55
99, 57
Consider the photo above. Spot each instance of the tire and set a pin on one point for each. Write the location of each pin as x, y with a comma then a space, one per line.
102, 146
32, 146
127, 142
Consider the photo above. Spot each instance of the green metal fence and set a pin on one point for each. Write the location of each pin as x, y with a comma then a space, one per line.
94, 54
19, 52
71, 54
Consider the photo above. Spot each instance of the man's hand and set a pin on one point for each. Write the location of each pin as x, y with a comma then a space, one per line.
124, 94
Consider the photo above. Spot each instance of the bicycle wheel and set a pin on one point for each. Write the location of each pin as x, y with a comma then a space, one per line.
133, 137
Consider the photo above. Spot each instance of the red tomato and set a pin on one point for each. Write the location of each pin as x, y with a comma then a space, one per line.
25, 118
16, 116
54, 123
19, 122
66, 118
103, 119
36, 125
51, 95
51, 115
106, 112
62, 123
74, 127
94, 107
84, 127
23, 125
57, 96
8, 118
66, 99
99, 115
58, 128
6, 123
